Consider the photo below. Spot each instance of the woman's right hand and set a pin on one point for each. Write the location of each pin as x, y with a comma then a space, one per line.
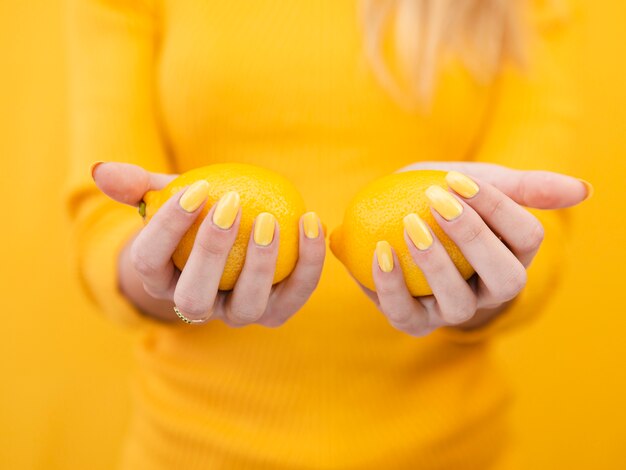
150, 280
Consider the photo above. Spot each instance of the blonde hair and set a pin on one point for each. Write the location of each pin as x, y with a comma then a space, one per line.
481, 33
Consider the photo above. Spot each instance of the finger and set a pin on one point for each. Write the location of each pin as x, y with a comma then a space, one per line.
395, 301
199, 281
456, 302
538, 189
250, 296
152, 250
127, 183
502, 273
291, 294
520, 230
542, 189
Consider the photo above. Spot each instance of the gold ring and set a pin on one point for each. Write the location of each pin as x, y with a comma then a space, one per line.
187, 320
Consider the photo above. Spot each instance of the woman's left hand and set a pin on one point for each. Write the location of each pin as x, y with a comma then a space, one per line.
498, 237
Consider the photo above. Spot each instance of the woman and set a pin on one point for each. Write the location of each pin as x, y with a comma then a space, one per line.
351, 380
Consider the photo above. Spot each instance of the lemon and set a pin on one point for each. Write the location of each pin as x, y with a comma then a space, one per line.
376, 213
260, 190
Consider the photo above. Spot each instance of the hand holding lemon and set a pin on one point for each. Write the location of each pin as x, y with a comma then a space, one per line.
225, 241
233, 241
428, 231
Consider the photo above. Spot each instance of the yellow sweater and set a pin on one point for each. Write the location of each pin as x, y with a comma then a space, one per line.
176, 84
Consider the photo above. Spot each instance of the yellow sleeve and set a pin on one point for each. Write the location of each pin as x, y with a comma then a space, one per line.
112, 45
533, 126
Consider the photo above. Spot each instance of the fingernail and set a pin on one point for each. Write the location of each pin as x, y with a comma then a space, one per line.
384, 256
93, 166
264, 229
418, 231
444, 203
310, 222
589, 188
194, 196
463, 185
226, 210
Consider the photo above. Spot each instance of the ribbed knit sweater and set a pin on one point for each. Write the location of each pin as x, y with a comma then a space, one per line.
175, 84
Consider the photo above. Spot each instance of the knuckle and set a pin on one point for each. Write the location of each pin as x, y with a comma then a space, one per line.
157, 293
513, 285
398, 318
263, 270
496, 208
246, 315
166, 225
275, 322
534, 239
212, 247
304, 288
386, 289
524, 188
404, 327
419, 332
169, 228
260, 266
191, 305
399, 325
141, 262
461, 313
434, 263
472, 233
544, 190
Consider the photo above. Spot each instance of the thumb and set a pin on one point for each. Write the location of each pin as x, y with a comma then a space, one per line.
127, 183
538, 189
541, 189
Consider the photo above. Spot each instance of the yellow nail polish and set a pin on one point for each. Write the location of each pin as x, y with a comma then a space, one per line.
463, 185
93, 166
310, 222
589, 188
264, 229
418, 231
194, 196
226, 210
444, 202
384, 256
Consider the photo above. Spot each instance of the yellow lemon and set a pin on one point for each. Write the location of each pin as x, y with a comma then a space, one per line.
376, 213
260, 190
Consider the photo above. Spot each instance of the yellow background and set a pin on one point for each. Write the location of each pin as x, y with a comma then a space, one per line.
63, 396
